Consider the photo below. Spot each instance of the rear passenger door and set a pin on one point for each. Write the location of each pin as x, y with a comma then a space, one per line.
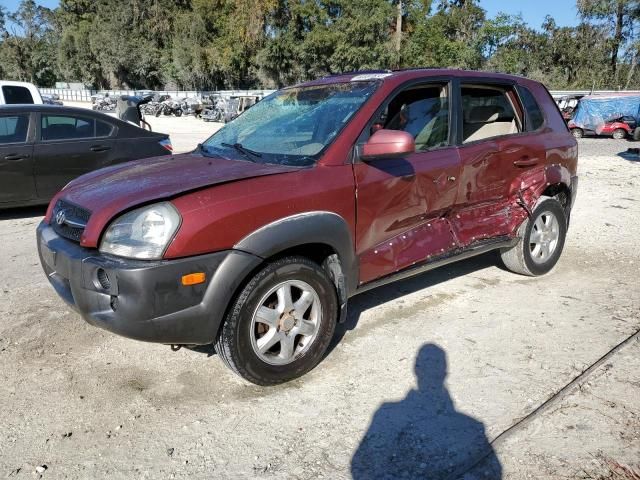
494, 152
68, 146
16, 161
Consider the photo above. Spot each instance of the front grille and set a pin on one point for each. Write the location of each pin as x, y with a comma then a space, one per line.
68, 220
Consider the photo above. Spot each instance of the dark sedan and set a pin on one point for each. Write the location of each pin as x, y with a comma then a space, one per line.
43, 147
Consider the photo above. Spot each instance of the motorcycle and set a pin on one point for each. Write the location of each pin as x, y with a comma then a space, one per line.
215, 112
169, 107
103, 103
191, 106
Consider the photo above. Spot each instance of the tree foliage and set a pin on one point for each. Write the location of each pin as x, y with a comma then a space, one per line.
216, 44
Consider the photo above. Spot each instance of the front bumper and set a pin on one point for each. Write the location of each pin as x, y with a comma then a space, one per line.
144, 300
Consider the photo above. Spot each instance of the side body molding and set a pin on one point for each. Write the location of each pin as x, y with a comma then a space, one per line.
303, 229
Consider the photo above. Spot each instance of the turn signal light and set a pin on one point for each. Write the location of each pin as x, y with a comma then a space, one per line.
193, 279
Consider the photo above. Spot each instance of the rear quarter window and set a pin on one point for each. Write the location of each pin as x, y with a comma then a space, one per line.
535, 118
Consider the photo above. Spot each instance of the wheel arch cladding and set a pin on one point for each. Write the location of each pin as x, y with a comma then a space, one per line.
309, 228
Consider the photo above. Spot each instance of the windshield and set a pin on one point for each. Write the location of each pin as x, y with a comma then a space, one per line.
291, 126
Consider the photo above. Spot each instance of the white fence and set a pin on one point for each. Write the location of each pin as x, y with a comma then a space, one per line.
85, 95
568, 93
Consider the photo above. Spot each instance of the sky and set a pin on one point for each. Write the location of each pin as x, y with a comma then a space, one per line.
12, 4
533, 11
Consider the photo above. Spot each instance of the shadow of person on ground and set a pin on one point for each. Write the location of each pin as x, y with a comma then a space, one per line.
631, 155
423, 436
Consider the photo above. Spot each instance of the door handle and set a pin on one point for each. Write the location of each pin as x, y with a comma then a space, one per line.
14, 156
100, 148
526, 162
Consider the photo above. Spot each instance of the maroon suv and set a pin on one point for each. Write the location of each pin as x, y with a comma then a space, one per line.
256, 240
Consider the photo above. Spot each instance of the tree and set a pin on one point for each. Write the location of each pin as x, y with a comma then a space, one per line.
618, 15
218, 44
25, 53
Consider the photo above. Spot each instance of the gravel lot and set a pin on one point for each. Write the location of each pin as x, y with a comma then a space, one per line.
428, 376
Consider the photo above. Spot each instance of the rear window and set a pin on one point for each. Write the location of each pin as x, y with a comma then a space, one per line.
14, 94
59, 127
488, 112
14, 128
534, 114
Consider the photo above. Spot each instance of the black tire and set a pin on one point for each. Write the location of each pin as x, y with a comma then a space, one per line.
234, 339
619, 134
519, 258
177, 112
577, 132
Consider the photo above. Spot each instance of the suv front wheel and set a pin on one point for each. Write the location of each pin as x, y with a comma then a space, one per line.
541, 242
281, 324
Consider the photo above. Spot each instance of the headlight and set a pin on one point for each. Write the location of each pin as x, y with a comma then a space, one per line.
143, 233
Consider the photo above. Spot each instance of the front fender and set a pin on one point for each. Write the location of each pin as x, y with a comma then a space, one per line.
302, 229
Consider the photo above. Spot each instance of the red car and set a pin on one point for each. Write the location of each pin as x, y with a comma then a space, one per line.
256, 240
618, 128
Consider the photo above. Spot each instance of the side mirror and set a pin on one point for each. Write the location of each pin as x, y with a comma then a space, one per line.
388, 144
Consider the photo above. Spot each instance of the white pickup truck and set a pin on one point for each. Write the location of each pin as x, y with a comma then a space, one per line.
18, 92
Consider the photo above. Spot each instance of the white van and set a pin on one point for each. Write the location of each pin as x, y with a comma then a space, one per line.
18, 92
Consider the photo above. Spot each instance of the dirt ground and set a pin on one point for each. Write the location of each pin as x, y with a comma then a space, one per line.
439, 376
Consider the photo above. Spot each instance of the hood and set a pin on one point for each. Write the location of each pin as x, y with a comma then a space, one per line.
110, 191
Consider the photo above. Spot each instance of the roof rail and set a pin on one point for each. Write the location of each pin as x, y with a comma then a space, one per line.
357, 72
406, 69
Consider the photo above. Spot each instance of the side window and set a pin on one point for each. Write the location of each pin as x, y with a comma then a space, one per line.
488, 112
421, 111
15, 95
59, 127
103, 129
14, 128
535, 117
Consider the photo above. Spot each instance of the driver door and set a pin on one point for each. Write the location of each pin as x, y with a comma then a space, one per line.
402, 202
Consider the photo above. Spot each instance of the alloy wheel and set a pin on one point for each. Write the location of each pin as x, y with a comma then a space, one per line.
286, 322
544, 237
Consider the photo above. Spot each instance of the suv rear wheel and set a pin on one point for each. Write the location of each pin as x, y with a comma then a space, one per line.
281, 324
542, 240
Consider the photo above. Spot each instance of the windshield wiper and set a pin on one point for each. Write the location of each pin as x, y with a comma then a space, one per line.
203, 149
243, 150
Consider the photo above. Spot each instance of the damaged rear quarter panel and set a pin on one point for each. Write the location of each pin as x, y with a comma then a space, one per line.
558, 155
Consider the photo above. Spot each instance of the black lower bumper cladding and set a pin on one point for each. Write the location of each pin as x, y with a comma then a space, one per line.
144, 300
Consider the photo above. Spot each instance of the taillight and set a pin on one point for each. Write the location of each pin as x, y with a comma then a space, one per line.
166, 143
